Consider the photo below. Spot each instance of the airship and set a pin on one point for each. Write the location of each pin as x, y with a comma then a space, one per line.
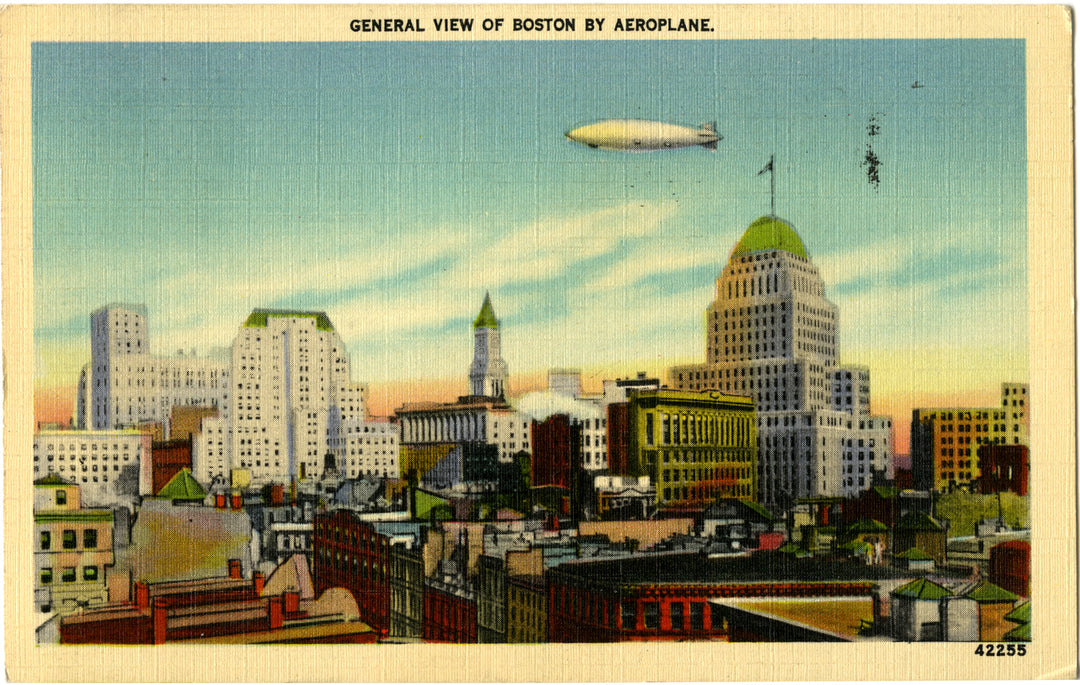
638, 135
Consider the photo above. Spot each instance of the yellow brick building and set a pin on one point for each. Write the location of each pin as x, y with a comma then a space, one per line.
695, 446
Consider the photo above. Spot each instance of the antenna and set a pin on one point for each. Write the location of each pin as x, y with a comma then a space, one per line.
770, 167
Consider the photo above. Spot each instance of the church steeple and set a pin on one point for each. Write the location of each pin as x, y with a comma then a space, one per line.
488, 374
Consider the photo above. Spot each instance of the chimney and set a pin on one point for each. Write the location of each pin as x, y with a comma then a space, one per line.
142, 595
291, 601
274, 613
160, 618
258, 581
219, 500
237, 501
234, 569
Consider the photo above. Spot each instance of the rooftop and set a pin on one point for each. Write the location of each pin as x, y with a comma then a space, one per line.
769, 233
259, 317
486, 317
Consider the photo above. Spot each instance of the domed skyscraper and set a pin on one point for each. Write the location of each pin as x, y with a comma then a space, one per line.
771, 335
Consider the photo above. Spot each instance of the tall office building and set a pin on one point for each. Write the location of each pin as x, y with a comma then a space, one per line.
125, 386
945, 441
771, 335
291, 387
488, 374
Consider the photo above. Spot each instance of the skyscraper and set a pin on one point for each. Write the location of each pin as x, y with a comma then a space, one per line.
127, 386
291, 388
771, 335
488, 374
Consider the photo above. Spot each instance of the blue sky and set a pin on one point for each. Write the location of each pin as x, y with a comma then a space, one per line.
392, 184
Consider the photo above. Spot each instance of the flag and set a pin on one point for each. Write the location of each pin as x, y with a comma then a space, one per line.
768, 167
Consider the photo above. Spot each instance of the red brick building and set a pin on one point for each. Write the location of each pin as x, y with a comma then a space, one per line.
349, 553
221, 609
618, 438
1010, 566
168, 459
556, 451
666, 596
1003, 468
449, 613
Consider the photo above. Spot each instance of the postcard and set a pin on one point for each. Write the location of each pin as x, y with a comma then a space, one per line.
538, 342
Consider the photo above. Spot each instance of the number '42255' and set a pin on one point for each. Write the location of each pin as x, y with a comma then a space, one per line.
999, 649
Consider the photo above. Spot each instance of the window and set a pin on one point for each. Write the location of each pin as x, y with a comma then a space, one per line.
652, 615
46, 539
90, 538
697, 616
629, 615
46, 576
69, 539
89, 573
68, 575
61, 497
677, 615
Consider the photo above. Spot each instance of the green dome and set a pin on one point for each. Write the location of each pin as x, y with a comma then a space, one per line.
769, 233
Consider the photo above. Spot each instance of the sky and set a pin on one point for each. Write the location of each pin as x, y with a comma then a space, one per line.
393, 184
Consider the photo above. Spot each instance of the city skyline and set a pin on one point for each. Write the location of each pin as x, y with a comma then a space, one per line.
333, 177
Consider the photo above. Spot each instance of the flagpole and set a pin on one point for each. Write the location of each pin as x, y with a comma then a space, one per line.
772, 185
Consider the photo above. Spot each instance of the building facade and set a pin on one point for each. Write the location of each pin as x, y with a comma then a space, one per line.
945, 442
693, 446
107, 465
351, 554
290, 389
128, 386
366, 448
488, 373
73, 548
771, 335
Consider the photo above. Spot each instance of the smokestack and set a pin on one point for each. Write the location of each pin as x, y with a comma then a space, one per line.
234, 569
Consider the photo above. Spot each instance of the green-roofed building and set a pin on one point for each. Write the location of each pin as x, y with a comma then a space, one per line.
1021, 614
183, 488
291, 386
918, 611
921, 531
259, 317
770, 233
995, 605
1021, 633
488, 373
771, 333
915, 559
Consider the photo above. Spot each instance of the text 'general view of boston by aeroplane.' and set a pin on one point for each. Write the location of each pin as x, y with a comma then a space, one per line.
638, 135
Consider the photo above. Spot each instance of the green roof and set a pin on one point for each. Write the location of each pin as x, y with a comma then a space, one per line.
867, 526
917, 520
922, 589
1021, 614
762, 511
856, 546
769, 233
915, 554
52, 480
988, 592
183, 486
425, 502
486, 317
1021, 633
74, 516
258, 318
885, 491
789, 548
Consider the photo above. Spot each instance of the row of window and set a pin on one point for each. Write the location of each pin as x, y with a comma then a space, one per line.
69, 539
68, 574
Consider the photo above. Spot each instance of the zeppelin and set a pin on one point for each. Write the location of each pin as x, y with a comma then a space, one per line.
637, 135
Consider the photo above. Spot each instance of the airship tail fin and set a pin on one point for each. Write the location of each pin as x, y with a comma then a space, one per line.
710, 127
709, 146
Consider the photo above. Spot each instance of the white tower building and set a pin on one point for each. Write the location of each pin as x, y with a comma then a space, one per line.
771, 335
488, 373
290, 381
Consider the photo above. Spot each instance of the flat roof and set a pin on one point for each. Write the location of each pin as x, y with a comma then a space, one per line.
840, 617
